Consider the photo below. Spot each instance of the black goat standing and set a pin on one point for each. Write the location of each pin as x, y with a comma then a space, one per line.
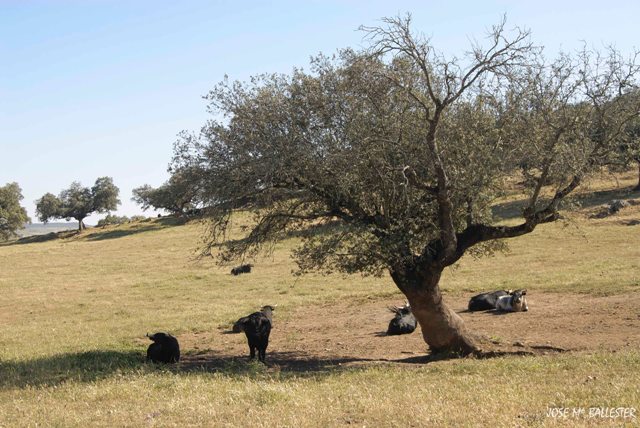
257, 328
404, 322
164, 349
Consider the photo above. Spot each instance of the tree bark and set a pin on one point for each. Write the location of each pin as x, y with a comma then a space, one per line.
638, 186
442, 328
81, 225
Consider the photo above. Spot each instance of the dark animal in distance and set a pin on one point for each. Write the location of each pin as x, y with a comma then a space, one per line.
257, 328
403, 322
486, 301
164, 349
515, 302
241, 269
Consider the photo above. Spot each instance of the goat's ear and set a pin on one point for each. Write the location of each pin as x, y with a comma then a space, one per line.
524, 292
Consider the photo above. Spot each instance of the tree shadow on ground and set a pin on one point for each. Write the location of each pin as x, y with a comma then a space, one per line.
98, 234
301, 364
116, 233
41, 238
81, 366
594, 199
293, 362
513, 209
93, 366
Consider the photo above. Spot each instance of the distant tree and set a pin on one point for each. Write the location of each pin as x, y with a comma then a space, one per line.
79, 202
12, 216
178, 195
403, 152
111, 219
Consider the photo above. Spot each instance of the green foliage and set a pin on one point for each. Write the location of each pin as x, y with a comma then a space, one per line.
178, 195
12, 216
404, 148
78, 202
113, 219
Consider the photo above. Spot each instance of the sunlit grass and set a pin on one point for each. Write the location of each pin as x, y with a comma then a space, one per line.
74, 312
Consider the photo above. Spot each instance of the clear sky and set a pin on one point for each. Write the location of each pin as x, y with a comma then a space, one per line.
92, 88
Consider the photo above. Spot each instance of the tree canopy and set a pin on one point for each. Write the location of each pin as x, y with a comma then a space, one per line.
79, 202
12, 216
179, 195
403, 151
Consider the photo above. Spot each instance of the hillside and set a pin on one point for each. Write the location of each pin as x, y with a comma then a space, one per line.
34, 229
76, 307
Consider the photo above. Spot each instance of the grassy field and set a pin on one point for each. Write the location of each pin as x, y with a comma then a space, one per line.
74, 312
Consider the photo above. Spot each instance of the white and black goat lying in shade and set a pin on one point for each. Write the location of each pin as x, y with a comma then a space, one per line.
404, 322
514, 302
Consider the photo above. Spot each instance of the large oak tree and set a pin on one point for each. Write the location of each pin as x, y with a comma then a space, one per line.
401, 152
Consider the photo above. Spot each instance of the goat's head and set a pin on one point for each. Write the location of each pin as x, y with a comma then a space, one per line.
158, 337
518, 300
401, 310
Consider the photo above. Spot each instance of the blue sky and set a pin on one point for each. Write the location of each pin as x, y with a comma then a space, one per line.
93, 88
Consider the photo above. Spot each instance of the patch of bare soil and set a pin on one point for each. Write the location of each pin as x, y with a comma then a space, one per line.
319, 337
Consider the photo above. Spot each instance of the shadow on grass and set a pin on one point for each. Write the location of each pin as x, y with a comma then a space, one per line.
594, 199
301, 364
93, 366
97, 234
76, 367
41, 238
297, 363
513, 209
116, 233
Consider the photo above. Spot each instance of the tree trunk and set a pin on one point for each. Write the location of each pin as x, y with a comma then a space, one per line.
442, 329
81, 225
638, 186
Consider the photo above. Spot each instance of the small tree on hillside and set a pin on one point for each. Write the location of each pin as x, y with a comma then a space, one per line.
79, 202
404, 151
12, 216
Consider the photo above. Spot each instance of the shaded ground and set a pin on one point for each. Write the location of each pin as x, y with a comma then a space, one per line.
317, 338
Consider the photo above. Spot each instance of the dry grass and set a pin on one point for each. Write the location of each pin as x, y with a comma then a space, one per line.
74, 312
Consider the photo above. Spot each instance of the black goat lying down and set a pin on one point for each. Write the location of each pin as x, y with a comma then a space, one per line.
164, 349
487, 301
404, 322
241, 269
257, 328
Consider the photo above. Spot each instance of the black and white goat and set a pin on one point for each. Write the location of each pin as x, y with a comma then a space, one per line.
487, 301
514, 302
